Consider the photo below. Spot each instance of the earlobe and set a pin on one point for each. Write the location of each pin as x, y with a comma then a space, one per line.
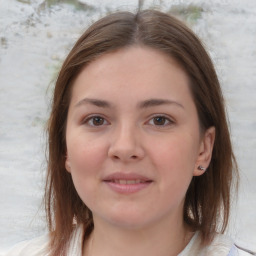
67, 164
205, 152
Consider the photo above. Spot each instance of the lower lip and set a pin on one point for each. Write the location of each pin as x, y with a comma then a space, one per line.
127, 188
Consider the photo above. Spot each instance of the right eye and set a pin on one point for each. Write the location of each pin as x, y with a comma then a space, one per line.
95, 121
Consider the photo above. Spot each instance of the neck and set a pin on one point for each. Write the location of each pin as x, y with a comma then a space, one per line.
164, 239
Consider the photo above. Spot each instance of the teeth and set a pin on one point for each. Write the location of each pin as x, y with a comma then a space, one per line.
125, 182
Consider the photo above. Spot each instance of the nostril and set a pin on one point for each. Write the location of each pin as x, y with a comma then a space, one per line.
118, 157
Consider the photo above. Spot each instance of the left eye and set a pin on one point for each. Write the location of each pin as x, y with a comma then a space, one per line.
160, 121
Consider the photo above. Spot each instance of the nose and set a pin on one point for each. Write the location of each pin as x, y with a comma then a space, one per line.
126, 144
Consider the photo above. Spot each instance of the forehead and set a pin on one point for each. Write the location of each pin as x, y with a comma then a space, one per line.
138, 69
134, 58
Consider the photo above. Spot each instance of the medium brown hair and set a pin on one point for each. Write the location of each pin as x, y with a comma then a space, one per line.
207, 202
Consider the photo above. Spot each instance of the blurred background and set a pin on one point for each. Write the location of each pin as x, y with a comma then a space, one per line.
36, 35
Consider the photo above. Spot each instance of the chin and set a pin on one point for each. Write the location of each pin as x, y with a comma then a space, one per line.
129, 220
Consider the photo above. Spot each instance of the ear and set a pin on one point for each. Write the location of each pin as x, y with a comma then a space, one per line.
67, 164
205, 151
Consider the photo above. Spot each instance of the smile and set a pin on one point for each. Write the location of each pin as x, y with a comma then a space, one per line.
127, 183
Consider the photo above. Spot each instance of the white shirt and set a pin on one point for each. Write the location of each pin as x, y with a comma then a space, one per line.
221, 246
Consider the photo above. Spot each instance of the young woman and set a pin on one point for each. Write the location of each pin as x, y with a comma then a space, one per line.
140, 158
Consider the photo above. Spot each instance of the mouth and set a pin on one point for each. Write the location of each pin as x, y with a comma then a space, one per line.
127, 183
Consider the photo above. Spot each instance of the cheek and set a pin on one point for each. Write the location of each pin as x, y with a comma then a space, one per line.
175, 159
178, 150
87, 159
86, 155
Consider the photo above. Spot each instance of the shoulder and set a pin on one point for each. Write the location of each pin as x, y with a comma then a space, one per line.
34, 247
40, 246
244, 251
221, 245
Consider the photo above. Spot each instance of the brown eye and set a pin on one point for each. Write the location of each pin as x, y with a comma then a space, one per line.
95, 121
159, 120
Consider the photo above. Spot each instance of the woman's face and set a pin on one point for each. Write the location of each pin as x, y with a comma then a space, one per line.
133, 138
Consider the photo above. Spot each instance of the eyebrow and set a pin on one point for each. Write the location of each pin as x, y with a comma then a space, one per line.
158, 102
144, 104
95, 102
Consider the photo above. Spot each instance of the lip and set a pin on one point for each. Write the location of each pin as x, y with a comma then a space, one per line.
113, 182
126, 176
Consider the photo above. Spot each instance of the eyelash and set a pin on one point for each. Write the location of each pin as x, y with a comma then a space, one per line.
89, 121
167, 121
93, 118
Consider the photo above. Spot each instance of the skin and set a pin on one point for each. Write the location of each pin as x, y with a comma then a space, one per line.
131, 111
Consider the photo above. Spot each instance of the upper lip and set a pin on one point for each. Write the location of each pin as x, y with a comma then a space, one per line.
126, 176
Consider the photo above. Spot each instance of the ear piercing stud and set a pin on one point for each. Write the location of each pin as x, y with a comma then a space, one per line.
201, 168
